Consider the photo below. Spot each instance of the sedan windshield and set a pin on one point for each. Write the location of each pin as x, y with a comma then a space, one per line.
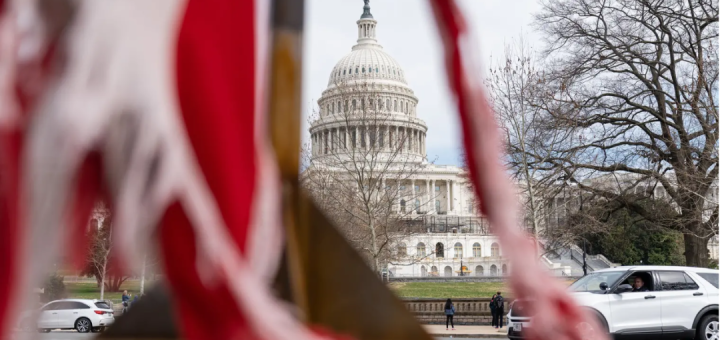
591, 282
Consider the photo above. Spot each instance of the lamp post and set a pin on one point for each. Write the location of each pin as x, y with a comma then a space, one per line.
461, 265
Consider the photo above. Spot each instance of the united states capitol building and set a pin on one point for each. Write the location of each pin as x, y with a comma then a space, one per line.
368, 115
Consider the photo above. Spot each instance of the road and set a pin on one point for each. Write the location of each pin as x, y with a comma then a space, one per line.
69, 335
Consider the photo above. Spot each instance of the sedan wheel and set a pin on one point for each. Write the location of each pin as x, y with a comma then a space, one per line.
711, 330
83, 325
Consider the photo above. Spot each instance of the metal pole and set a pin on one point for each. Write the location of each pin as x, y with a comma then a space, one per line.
461, 265
584, 263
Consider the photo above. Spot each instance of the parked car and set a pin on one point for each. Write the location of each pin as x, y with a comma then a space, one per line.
81, 315
681, 303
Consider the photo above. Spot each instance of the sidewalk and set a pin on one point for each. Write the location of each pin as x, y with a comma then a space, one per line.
467, 331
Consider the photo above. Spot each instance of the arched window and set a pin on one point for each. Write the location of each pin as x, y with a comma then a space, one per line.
493, 270
423, 271
407, 107
434, 271
439, 250
333, 108
402, 206
395, 106
346, 106
402, 249
458, 250
504, 269
354, 104
417, 205
495, 250
387, 104
448, 271
479, 271
421, 249
477, 250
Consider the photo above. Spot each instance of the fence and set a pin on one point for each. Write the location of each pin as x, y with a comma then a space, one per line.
473, 311
446, 224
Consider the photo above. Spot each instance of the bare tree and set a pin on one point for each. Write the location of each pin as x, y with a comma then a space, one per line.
636, 82
101, 246
360, 168
516, 86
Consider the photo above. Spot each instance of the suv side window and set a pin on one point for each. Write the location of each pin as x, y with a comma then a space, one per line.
78, 305
52, 306
677, 281
646, 277
64, 305
710, 277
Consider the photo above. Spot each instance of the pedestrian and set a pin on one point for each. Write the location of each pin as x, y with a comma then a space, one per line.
125, 300
492, 310
135, 299
449, 312
499, 310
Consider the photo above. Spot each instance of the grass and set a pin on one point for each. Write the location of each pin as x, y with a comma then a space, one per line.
443, 290
90, 290
448, 289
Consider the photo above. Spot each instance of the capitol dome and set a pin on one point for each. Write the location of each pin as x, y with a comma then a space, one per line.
368, 99
367, 61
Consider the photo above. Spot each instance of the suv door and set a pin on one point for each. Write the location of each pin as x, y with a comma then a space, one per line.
682, 299
64, 314
71, 311
636, 312
47, 317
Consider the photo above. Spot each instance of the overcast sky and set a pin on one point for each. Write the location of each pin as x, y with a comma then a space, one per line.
407, 32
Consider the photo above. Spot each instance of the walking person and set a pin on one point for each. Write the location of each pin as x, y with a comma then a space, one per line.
125, 301
499, 310
492, 311
449, 312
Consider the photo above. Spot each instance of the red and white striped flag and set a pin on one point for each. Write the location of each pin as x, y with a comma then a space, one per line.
157, 106
555, 315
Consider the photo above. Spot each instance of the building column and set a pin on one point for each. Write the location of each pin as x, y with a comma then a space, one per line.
427, 194
347, 137
452, 195
414, 194
397, 137
447, 195
432, 190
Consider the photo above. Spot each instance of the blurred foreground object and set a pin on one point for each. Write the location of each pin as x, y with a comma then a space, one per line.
558, 317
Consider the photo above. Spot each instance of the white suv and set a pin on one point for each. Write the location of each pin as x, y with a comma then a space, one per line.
81, 315
680, 303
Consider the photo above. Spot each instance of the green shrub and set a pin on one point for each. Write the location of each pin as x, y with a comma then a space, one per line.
54, 288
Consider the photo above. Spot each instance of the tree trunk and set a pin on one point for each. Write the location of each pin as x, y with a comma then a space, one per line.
696, 251
376, 260
142, 275
102, 284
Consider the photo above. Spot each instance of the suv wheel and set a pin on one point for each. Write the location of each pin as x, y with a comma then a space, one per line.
83, 325
709, 328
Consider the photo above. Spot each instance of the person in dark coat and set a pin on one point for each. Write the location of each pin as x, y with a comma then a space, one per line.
492, 310
449, 312
499, 310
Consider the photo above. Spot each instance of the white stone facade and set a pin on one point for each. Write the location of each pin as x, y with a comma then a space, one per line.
441, 254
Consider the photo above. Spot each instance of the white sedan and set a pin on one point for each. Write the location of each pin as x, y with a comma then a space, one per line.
81, 315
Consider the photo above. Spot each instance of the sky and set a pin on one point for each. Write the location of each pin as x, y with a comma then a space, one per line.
407, 32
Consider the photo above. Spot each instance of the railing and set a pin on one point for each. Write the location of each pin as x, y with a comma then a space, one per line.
473, 311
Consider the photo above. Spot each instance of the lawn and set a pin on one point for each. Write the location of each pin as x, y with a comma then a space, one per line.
448, 289
90, 290
443, 290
